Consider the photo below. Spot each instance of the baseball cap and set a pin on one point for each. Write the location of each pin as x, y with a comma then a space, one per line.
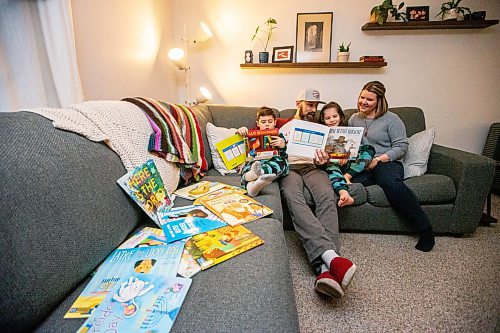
309, 95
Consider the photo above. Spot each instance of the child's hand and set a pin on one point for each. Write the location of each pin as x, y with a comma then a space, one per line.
243, 131
276, 141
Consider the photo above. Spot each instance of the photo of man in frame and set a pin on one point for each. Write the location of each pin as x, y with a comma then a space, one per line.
313, 41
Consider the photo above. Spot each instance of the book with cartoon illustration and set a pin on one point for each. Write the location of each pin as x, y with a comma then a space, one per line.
183, 222
232, 150
147, 236
259, 144
145, 186
219, 192
188, 267
162, 258
213, 247
140, 303
235, 208
199, 189
343, 143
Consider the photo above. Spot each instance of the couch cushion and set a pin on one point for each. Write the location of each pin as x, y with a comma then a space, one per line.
234, 116
419, 148
204, 116
216, 134
429, 189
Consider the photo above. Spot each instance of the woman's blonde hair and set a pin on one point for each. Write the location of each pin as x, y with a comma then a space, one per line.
378, 89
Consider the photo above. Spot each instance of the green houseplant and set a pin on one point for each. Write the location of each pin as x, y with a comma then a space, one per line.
343, 53
381, 12
451, 9
267, 31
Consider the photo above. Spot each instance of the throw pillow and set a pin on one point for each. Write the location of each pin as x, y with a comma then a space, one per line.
214, 135
419, 148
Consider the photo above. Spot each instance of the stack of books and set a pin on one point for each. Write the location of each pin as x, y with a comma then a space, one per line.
370, 58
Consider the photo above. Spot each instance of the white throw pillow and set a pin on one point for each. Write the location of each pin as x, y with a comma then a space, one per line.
419, 148
214, 135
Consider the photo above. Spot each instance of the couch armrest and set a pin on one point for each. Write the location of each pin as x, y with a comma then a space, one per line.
472, 175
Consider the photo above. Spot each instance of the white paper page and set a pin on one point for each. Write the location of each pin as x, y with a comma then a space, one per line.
305, 137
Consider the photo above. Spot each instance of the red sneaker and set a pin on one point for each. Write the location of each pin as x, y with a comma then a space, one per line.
326, 284
342, 270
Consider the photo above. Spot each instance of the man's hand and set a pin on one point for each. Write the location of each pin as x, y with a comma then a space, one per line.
276, 141
243, 131
321, 157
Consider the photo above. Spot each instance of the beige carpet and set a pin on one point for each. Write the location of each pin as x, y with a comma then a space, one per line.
453, 288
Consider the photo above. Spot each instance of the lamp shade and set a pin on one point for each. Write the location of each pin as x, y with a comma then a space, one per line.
177, 56
203, 96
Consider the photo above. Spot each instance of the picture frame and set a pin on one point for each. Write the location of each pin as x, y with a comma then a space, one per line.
283, 54
417, 13
313, 42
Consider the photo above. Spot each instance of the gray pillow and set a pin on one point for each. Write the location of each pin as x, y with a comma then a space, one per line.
419, 148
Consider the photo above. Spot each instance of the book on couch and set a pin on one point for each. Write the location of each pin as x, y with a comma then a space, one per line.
199, 189
163, 259
145, 186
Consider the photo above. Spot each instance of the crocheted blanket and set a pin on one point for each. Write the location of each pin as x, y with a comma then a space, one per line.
176, 135
120, 125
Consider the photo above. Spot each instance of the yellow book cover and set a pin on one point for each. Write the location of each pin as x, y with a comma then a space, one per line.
216, 246
232, 151
218, 193
235, 208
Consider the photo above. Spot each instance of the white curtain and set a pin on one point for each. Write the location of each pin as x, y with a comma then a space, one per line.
38, 65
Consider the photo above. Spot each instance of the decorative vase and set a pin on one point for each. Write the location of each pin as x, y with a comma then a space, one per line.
343, 56
450, 14
263, 57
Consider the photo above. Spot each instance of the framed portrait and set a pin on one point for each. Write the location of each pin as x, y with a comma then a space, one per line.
314, 37
418, 13
283, 54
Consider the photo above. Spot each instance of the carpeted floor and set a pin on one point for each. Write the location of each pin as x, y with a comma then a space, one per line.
453, 288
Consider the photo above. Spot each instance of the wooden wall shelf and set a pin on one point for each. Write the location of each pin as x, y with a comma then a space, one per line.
314, 65
481, 24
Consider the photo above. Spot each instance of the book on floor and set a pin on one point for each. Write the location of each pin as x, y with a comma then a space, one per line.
259, 144
235, 208
120, 263
147, 303
216, 246
183, 222
145, 186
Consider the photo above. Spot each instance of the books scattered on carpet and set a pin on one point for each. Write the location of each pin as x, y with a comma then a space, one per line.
369, 58
259, 144
160, 259
216, 246
343, 143
145, 186
234, 208
140, 303
199, 189
183, 222
232, 151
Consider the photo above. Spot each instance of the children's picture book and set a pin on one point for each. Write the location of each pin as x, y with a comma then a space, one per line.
219, 192
305, 137
232, 150
188, 266
199, 189
218, 245
259, 144
343, 143
236, 208
183, 222
147, 236
145, 186
121, 262
140, 303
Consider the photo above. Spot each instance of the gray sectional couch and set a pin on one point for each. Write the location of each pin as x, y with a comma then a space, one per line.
62, 213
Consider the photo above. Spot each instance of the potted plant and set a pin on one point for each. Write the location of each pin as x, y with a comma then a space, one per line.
380, 13
267, 31
451, 9
343, 53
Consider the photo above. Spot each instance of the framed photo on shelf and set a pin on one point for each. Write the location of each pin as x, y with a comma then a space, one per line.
283, 54
417, 13
314, 37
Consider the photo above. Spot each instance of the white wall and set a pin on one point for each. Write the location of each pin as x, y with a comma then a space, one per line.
452, 75
121, 48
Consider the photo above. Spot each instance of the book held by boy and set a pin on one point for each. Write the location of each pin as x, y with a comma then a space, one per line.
183, 222
232, 150
140, 303
259, 144
218, 245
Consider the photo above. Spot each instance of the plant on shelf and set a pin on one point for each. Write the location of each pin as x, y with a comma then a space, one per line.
451, 9
267, 31
343, 48
343, 54
380, 13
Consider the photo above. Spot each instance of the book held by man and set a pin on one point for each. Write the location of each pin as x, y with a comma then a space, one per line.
343, 143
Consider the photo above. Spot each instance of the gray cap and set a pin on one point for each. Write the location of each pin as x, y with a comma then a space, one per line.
309, 95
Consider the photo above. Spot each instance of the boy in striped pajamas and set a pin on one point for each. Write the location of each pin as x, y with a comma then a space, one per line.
255, 175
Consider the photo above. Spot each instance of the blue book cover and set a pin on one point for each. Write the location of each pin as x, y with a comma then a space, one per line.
184, 222
162, 259
140, 303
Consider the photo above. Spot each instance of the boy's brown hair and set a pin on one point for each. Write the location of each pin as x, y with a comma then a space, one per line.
265, 111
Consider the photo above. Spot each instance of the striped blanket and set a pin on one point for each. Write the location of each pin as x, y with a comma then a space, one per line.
176, 135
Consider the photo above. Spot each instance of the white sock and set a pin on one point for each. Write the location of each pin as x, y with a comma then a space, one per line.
324, 268
254, 172
328, 256
254, 187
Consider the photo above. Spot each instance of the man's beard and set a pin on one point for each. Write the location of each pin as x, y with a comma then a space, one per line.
308, 116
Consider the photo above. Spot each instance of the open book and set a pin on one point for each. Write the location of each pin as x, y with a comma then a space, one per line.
259, 144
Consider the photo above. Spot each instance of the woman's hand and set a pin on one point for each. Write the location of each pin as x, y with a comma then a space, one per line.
321, 157
276, 141
243, 131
